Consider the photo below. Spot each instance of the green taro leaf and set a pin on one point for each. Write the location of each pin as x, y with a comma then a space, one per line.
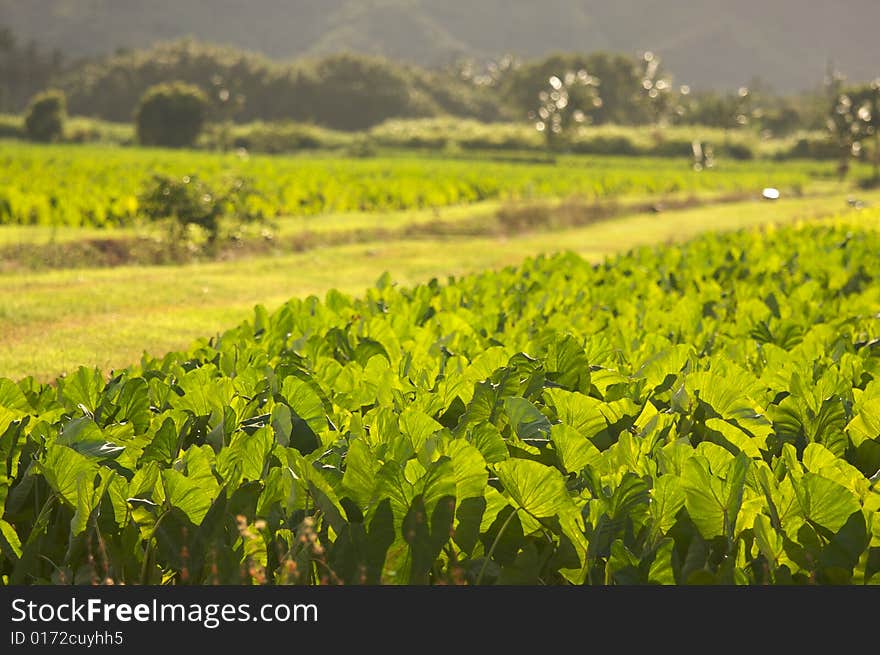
623, 565
580, 412
203, 392
163, 447
471, 475
538, 489
11, 442
359, 480
657, 367
134, 404
667, 499
13, 403
575, 451
487, 402
307, 417
89, 498
85, 437
436, 482
489, 442
63, 467
244, 458
567, 364
186, 495
418, 426
367, 349
527, 421
10, 544
305, 403
662, 569
734, 439
712, 503
83, 389
771, 543
825, 502
865, 425
426, 534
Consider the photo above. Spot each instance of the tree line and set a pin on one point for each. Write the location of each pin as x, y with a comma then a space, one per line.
172, 89
354, 92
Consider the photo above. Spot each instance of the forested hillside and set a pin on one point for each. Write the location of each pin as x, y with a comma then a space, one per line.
712, 43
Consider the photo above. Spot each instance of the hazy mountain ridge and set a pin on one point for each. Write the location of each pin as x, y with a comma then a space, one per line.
711, 43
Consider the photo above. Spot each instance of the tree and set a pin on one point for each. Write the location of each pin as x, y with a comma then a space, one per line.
854, 119
657, 89
355, 92
869, 115
44, 120
171, 115
622, 101
24, 71
564, 103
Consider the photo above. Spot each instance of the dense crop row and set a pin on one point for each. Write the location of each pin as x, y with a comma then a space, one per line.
693, 414
67, 185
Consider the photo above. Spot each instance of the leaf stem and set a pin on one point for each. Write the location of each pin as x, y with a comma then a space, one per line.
494, 544
148, 553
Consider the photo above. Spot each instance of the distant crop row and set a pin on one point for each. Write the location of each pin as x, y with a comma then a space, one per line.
708, 413
94, 186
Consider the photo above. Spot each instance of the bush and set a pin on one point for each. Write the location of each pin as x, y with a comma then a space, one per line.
605, 145
274, 138
738, 151
353, 92
44, 120
171, 115
11, 127
91, 130
813, 148
676, 147
188, 201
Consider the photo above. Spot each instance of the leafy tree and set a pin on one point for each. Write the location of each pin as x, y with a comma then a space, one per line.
656, 89
621, 86
354, 92
565, 102
869, 116
783, 119
855, 119
45, 116
728, 111
24, 71
341, 91
171, 115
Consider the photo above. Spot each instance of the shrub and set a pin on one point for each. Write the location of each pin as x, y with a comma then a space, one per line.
171, 115
276, 137
738, 151
604, 145
189, 201
675, 147
44, 120
11, 127
813, 148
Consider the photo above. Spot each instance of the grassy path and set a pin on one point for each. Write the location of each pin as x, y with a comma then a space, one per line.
52, 322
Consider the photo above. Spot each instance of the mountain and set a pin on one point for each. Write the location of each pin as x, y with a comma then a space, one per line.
712, 43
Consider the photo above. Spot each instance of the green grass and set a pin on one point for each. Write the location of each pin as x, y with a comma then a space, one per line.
52, 322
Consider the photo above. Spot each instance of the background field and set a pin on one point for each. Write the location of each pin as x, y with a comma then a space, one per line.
99, 186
